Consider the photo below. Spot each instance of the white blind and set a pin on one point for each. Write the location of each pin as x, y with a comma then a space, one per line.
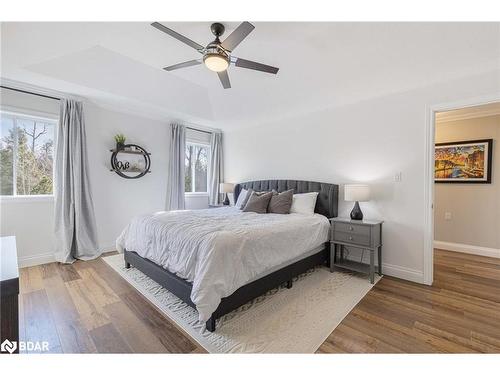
197, 137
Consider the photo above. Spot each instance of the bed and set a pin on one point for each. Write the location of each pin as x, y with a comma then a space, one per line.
219, 259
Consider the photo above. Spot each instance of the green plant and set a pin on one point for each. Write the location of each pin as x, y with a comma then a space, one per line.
120, 138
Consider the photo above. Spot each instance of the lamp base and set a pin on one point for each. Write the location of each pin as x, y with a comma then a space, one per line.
226, 201
356, 213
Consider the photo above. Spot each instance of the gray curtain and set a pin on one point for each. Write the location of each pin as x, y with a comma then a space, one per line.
75, 226
216, 168
175, 182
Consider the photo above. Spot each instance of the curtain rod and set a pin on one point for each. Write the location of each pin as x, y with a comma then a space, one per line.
29, 92
54, 98
199, 130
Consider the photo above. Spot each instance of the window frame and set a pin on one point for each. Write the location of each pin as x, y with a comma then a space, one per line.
31, 115
198, 193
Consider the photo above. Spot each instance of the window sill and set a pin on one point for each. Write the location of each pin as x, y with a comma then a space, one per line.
26, 198
196, 195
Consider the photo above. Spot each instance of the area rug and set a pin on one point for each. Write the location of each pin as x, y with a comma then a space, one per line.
295, 320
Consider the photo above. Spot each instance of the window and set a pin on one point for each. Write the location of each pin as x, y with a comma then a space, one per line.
196, 168
26, 155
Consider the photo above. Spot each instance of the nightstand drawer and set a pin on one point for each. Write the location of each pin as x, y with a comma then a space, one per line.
352, 228
355, 239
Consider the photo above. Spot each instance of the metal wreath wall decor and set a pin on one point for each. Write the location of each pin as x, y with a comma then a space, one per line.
130, 161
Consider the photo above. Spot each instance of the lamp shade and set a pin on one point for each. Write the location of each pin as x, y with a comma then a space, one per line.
226, 187
356, 193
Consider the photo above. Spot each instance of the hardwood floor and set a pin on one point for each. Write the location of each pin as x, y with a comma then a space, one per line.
459, 313
87, 307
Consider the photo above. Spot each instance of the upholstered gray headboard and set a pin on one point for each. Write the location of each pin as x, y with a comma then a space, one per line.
328, 197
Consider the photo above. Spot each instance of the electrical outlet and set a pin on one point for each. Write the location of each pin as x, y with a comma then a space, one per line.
397, 177
447, 215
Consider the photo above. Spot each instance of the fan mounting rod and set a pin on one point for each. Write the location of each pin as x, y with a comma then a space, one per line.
217, 29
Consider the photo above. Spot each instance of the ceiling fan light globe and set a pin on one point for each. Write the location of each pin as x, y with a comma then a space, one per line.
216, 62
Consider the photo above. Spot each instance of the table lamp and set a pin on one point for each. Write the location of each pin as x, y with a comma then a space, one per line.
356, 193
226, 188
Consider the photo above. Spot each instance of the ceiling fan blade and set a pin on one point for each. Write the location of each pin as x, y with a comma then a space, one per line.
242, 63
178, 36
237, 36
224, 79
182, 65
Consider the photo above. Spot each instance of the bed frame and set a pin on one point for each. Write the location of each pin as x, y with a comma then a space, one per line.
326, 204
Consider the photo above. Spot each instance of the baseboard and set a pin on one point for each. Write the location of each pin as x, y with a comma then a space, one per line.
109, 248
39, 259
400, 272
468, 249
35, 260
404, 273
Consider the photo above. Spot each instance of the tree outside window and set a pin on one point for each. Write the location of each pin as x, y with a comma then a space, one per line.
26, 155
196, 168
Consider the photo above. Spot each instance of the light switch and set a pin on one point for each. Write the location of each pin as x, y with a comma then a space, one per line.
447, 215
397, 177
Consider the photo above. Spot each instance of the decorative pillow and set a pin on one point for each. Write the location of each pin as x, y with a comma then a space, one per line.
247, 197
242, 198
304, 203
280, 203
231, 198
258, 202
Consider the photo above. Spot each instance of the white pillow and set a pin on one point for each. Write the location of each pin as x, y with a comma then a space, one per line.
304, 203
231, 198
241, 198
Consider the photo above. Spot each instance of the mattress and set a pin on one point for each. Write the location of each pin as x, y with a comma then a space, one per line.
288, 262
220, 250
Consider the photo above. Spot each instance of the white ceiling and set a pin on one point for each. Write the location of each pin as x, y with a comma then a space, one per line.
321, 64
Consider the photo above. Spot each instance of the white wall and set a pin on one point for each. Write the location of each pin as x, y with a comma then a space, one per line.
31, 221
116, 199
368, 141
474, 208
196, 201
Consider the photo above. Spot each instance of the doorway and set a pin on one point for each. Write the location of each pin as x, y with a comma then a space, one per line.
463, 181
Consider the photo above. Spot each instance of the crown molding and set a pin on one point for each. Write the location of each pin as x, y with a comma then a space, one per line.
468, 113
38, 90
130, 108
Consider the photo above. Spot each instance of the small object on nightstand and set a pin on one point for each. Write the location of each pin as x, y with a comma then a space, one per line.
226, 188
356, 193
365, 235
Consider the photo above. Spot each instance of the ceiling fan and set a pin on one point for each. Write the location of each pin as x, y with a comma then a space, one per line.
217, 55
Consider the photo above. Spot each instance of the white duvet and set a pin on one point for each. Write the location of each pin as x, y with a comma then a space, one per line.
219, 250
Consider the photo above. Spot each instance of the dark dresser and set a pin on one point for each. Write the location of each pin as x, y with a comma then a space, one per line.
9, 292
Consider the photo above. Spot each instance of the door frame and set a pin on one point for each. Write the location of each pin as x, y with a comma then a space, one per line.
429, 173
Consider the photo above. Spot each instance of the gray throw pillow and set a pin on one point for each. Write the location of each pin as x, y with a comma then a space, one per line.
247, 197
281, 203
258, 202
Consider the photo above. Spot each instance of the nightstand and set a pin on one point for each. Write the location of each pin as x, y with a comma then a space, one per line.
216, 205
361, 234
